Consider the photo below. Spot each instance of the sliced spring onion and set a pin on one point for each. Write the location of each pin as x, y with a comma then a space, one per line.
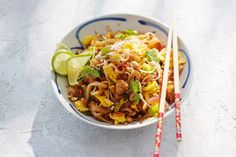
105, 50
147, 67
152, 55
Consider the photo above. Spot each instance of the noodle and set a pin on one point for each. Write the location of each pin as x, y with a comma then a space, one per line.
130, 67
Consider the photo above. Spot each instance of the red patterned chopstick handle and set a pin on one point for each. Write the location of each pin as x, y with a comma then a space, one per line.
178, 117
158, 135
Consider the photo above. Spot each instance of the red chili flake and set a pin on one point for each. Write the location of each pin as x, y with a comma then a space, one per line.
121, 66
80, 91
159, 46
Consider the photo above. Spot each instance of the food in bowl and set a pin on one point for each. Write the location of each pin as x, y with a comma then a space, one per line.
117, 77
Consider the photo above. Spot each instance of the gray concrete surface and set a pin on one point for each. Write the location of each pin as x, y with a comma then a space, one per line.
34, 124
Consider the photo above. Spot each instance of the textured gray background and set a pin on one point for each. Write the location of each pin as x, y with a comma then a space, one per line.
34, 124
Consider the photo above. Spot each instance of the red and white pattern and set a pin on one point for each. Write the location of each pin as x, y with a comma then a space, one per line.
158, 135
178, 117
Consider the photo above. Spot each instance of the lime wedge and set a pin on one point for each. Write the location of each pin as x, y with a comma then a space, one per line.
61, 46
74, 65
59, 61
86, 53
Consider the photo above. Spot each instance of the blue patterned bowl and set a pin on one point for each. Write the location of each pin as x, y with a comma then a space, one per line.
118, 22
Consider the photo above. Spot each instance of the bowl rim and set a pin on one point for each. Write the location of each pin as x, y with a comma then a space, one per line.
137, 125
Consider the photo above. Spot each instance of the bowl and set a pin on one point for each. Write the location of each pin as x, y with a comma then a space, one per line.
116, 22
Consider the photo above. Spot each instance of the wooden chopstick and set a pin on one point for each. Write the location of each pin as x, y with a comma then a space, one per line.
163, 96
176, 83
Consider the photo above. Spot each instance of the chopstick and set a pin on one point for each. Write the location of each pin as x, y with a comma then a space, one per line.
176, 83
163, 96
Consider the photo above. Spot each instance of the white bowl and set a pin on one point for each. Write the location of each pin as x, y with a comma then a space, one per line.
117, 22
